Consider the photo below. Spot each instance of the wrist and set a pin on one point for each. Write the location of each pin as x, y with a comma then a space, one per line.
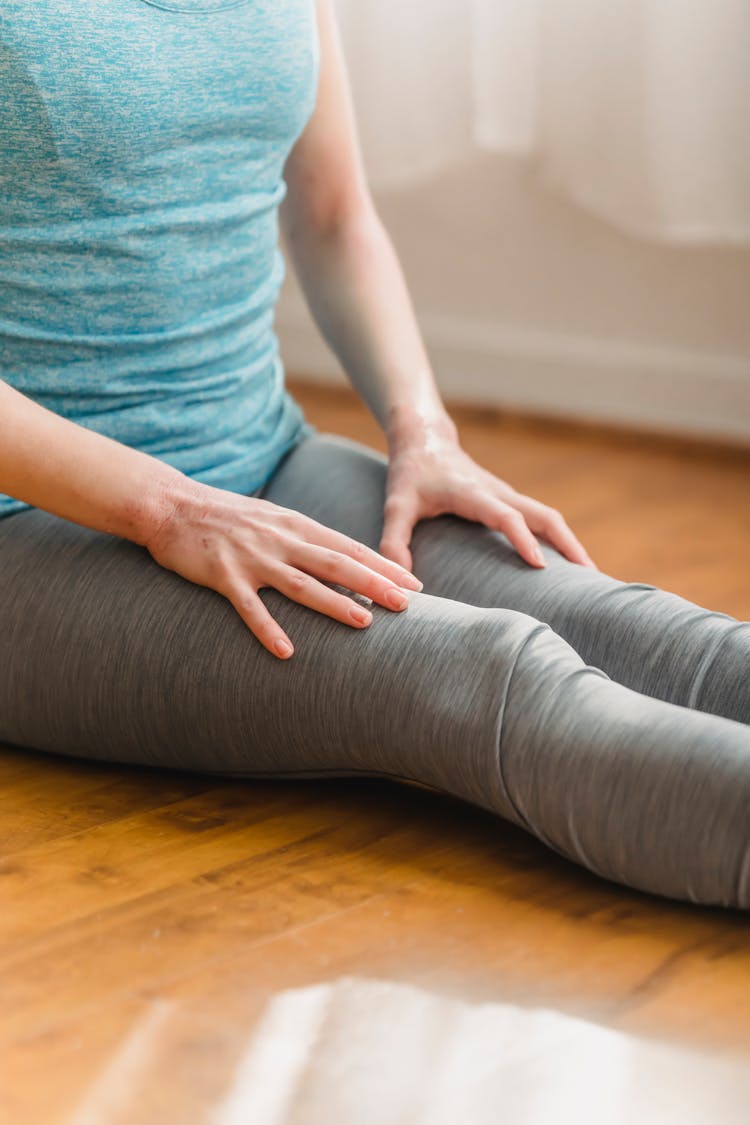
164, 493
410, 425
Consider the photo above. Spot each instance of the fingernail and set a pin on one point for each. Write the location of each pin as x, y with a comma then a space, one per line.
283, 648
540, 557
396, 600
361, 616
415, 583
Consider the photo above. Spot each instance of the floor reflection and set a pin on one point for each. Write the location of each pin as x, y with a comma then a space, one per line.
379, 1053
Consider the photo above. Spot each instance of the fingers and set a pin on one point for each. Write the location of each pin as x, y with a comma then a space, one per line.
559, 533
259, 621
400, 517
345, 571
552, 525
503, 517
295, 548
327, 537
561, 536
308, 591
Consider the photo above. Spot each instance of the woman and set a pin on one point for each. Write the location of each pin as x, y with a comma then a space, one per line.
173, 528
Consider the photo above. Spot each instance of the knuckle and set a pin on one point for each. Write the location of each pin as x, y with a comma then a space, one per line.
247, 601
223, 571
298, 582
277, 514
271, 534
342, 607
357, 550
302, 526
248, 610
257, 617
333, 561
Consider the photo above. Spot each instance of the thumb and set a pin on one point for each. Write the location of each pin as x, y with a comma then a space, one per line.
400, 517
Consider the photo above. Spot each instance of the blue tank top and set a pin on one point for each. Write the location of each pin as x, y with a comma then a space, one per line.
142, 145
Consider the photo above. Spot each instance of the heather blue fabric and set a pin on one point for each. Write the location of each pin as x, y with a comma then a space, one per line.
142, 147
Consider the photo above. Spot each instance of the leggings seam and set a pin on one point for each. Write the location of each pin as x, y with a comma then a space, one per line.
540, 628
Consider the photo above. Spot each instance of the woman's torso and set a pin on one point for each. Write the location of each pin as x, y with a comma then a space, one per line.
142, 144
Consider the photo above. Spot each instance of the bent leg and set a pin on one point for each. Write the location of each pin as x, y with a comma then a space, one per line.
104, 654
645, 792
650, 640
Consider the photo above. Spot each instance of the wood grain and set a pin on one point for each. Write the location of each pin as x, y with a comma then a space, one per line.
148, 916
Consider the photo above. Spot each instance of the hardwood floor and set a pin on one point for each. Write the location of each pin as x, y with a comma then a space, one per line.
149, 919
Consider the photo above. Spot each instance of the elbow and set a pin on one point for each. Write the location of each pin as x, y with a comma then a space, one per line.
329, 215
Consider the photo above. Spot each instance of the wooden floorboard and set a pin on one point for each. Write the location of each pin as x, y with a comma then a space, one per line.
148, 917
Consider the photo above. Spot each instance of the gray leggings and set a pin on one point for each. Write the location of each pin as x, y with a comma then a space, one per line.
609, 719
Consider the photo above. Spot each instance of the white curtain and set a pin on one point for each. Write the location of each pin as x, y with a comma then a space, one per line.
639, 110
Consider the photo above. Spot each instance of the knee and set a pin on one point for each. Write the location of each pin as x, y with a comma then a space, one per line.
443, 672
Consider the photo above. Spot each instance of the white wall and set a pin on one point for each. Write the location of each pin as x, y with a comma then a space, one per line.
524, 300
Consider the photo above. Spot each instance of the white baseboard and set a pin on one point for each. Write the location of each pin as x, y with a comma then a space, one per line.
487, 363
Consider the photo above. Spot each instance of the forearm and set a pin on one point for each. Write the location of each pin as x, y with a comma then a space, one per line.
357, 293
70, 471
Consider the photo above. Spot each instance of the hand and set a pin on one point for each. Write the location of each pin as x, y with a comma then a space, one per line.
237, 545
429, 474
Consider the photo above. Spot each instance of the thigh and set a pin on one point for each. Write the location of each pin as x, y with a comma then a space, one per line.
644, 637
105, 654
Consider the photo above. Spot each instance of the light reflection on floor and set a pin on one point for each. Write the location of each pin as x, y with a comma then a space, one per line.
369, 1052
377, 1053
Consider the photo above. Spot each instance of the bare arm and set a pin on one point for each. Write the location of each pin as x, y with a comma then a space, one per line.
344, 257
355, 289
52, 463
231, 543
